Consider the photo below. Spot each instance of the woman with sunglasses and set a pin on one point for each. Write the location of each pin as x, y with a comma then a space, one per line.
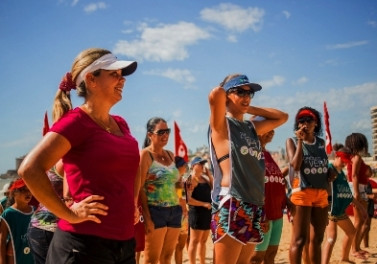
161, 208
238, 163
309, 182
101, 161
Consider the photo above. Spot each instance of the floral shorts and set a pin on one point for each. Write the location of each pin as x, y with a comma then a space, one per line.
239, 220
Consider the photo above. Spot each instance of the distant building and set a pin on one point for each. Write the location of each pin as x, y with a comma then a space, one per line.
12, 173
373, 115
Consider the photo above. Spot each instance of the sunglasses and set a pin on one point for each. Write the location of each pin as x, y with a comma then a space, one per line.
305, 119
242, 92
161, 132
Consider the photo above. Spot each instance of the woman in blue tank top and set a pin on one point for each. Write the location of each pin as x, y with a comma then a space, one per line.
238, 163
309, 184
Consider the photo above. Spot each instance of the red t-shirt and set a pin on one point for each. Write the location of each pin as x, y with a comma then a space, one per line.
363, 179
104, 164
275, 197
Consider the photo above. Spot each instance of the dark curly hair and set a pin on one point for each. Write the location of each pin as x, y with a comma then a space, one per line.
318, 129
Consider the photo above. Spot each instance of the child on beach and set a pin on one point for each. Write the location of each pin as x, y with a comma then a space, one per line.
14, 222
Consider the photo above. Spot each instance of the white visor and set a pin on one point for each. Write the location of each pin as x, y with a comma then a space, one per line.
108, 62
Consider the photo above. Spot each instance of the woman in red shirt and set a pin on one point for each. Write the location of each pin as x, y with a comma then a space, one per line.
357, 176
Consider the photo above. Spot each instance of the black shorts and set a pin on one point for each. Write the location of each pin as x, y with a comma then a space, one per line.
72, 248
199, 218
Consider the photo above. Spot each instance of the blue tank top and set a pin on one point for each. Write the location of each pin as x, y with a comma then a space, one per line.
247, 163
314, 166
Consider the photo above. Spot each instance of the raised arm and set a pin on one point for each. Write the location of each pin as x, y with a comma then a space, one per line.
217, 104
273, 118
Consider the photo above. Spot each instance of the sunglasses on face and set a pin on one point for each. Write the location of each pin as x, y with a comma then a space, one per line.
242, 92
161, 132
305, 119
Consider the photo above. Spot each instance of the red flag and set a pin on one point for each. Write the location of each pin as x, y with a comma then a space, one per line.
327, 126
46, 126
180, 146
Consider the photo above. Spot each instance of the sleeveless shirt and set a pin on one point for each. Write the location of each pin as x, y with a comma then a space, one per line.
314, 166
246, 162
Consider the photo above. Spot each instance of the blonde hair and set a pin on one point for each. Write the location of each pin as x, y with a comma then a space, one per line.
62, 102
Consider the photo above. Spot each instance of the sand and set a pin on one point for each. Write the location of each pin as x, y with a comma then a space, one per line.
283, 258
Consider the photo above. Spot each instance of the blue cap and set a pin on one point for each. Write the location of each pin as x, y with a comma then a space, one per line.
179, 161
197, 160
241, 80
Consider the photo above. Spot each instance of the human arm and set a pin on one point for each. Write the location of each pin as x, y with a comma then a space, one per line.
194, 202
3, 241
294, 153
145, 162
33, 170
273, 118
356, 161
219, 130
359, 206
136, 195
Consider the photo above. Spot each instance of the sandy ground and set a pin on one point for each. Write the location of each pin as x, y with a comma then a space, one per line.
282, 256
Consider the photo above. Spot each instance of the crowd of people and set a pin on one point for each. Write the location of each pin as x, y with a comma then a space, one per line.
101, 199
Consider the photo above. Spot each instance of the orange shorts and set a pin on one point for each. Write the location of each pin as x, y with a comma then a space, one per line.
310, 197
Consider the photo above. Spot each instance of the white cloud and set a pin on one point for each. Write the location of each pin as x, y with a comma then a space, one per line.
348, 45
233, 17
184, 77
276, 81
286, 14
362, 124
166, 42
331, 62
232, 38
94, 7
372, 23
301, 81
74, 2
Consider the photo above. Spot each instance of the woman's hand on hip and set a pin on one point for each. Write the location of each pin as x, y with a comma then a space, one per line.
88, 209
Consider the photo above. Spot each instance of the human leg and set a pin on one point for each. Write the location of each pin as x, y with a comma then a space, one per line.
301, 222
349, 233
331, 235
366, 232
259, 253
193, 245
169, 243
227, 250
319, 220
154, 242
39, 241
276, 227
202, 246
182, 240
359, 221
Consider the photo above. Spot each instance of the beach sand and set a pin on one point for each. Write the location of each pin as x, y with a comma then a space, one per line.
282, 255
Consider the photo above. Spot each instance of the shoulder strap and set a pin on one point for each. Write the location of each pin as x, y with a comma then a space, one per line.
150, 154
169, 155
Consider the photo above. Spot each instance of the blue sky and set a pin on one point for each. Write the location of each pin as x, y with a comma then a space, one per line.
301, 52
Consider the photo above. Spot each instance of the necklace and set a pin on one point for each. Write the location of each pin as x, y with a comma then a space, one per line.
102, 124
159, 156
